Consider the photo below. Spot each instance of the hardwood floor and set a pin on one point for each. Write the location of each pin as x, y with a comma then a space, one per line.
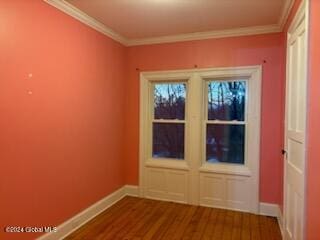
137, 218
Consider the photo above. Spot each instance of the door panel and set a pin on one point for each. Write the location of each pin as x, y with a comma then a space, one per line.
295, 129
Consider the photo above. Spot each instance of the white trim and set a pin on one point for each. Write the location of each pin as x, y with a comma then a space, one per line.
280, 221
191, 168
205, 72
302, 13
168, 164
86, 19
285, 13
269, 209
89, 213
226, 169
235, 32
132, 190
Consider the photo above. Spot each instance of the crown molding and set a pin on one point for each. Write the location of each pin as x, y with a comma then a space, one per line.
288, 4
86, 19
235, 32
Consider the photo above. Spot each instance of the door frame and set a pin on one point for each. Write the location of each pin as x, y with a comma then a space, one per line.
301, 14
252, 170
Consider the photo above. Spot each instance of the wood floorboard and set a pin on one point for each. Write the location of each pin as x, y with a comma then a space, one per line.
254, 225
154, 219
135, 219
276, 234
199, 230
182, 212
245, 230
145, 219
236, 229
264, 228
218, 229
178, 234
208, 231
167, 222
121, 221
192, 226
159, 221
228, 225
97, 224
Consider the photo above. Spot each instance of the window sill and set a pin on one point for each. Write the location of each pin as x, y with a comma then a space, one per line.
232, 169
170, 164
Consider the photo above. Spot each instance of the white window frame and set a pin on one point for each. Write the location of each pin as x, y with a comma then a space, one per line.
252, 74
196, 80
240, 169
207, 122
147, 119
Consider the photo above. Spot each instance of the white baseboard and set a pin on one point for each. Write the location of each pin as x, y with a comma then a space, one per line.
86, 215
132, 190
268, 209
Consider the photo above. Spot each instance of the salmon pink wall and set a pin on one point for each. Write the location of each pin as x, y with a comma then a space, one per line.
267, 50
61, 146
313, 154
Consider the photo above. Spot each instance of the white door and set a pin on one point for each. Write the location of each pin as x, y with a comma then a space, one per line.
200, 136
295, 127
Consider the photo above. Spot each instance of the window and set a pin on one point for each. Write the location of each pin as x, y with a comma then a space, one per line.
200, 136
225, 121
168, 120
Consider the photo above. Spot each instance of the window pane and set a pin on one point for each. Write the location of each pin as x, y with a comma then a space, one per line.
226, 100
225, 143
168, 140
169, 101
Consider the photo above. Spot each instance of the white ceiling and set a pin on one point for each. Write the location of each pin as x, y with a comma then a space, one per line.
134, 20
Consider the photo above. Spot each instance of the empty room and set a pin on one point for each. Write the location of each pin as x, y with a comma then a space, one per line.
159, 119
